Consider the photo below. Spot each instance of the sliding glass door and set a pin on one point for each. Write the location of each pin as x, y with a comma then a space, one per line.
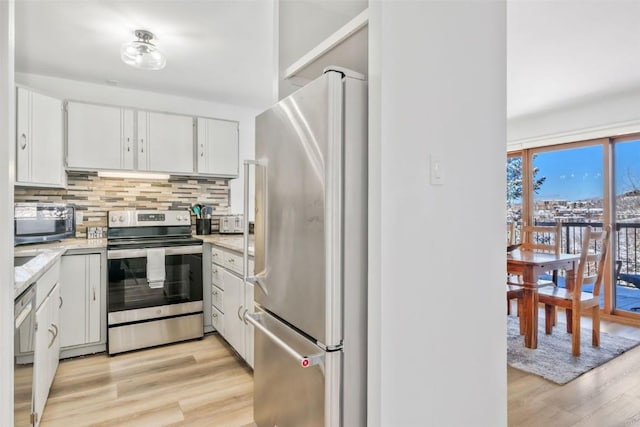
626, 162
568, 185
590, 183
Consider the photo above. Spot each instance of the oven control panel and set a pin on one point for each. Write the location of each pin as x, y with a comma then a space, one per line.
148, 218
142, 217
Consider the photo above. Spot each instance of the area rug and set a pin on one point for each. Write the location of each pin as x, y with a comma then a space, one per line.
553, 360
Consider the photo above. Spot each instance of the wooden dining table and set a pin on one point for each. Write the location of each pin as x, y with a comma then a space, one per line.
529, 265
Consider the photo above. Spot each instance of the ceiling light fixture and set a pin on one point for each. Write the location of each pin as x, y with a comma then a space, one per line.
142, 53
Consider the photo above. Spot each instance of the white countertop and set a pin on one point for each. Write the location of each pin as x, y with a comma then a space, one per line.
229, 241
66, 244
46, 255
28, 273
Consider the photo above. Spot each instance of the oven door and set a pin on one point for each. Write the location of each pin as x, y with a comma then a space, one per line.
129, 288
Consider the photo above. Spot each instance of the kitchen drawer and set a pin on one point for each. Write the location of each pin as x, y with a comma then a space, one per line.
228, 259
217, 320
233, 262
217, 298
217, 278
218, 256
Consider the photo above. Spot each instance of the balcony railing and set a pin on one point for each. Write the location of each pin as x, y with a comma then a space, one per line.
626, 241
626, 252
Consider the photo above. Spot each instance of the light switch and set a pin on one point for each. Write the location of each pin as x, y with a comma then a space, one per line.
437, 170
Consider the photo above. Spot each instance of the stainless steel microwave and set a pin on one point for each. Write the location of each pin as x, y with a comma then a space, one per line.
43, 222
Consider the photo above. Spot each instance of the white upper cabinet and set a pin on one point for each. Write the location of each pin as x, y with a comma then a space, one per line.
165, 142
217, 147
40, 142
99, 137
114, 138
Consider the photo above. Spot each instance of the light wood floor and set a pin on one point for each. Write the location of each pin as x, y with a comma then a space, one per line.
606, 396
196, 383
202, 383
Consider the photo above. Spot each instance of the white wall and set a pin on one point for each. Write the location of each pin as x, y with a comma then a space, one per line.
7, 145
437, 330
609, 115
82, 91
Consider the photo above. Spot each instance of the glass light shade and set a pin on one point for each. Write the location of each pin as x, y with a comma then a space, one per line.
142, 54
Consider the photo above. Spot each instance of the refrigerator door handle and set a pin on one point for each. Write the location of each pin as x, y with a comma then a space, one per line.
260, 276
304, 361
258, 279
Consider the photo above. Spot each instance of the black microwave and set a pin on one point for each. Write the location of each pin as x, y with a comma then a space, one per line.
43, 222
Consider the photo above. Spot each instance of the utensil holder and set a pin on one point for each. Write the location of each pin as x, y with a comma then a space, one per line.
203, 225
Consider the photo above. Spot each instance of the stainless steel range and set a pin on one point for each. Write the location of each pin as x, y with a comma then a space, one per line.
155, 279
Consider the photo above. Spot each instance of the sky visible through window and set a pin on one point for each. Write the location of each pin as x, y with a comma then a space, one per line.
576, 174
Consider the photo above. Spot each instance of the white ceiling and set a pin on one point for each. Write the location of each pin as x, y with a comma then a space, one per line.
559, 53
218, 50
564, 53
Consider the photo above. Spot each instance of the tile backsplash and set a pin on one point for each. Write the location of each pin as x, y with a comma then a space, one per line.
94, 196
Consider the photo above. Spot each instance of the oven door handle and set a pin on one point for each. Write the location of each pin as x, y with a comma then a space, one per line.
142, 253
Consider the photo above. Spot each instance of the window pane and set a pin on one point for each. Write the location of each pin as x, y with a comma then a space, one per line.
569, 187
627, 236
514, 189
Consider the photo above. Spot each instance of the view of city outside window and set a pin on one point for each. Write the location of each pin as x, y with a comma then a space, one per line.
573, 187
627, 216
569, 187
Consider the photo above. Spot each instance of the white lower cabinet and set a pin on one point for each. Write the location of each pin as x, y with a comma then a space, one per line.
233, 325
81, 295
230, 297
41, 360
47, 349
248, 331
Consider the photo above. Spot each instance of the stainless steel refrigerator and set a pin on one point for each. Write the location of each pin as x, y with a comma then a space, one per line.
311, 256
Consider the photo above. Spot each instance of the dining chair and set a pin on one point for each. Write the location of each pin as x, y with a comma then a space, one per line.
542, 238
590, 271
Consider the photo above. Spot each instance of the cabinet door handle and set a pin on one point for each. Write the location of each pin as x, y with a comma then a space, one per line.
53, 337
201, 150
215, 315
240, 315
141, 146
61, 302
215, 293
56, 328
94, 294
128, 145
23, 145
